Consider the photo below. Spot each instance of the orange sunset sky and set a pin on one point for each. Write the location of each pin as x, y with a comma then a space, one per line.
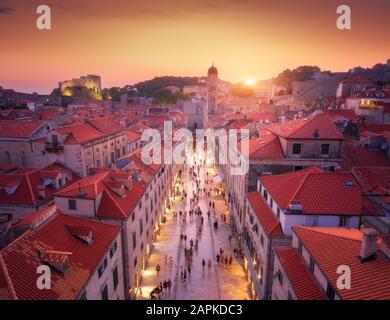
126, 41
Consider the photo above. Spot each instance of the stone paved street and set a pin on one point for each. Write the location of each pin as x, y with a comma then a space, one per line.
225, 282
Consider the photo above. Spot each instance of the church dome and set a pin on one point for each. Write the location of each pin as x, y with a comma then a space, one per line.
213, 70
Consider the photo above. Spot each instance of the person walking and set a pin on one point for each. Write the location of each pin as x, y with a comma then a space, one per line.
158, 269
203, 263
169, 283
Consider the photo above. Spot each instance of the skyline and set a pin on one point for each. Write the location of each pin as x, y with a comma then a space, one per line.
132, 42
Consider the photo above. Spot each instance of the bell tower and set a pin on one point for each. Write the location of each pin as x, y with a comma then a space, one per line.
212, 87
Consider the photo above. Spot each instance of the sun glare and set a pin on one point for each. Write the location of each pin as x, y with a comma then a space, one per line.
249, 82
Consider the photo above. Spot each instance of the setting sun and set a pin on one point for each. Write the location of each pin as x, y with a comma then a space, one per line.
250, 82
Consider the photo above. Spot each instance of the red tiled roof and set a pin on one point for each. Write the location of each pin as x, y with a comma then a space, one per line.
269, 222
91, 186
111, 204
306, 128
26, 181
374, 180
33, 219
266, 147
355, 156
262, 116
345, 113
21, 258
88, 131
19, 128
374, 128
132, 135
300, 278
327, 193
240, 124
7, 291
332, 247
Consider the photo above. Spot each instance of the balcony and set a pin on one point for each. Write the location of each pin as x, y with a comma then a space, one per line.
54, 147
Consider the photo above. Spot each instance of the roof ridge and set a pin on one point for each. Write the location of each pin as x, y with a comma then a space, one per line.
321, 231
3, 268
306, 174
114, 201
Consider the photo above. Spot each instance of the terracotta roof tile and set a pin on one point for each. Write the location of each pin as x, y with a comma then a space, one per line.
306, 128
269, 222
327, 193
19, 128
266, 147
301, 280
22, 259
332, 247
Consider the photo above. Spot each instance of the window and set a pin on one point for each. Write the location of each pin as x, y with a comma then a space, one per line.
141, 226
113, 249
325, 149
278, 212
115, 277
300, 247
297, 148
271, 203
262, 240
330, 292
102, 267
135, 262
134, 240
72, 204
312, 264
105, 293
265, 195
280, 277
343, 222
133, 217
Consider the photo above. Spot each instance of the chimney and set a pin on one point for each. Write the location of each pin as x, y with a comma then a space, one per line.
368, 249
41, 191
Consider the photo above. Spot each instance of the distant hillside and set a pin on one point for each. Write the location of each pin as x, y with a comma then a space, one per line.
150, 87
380, 73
